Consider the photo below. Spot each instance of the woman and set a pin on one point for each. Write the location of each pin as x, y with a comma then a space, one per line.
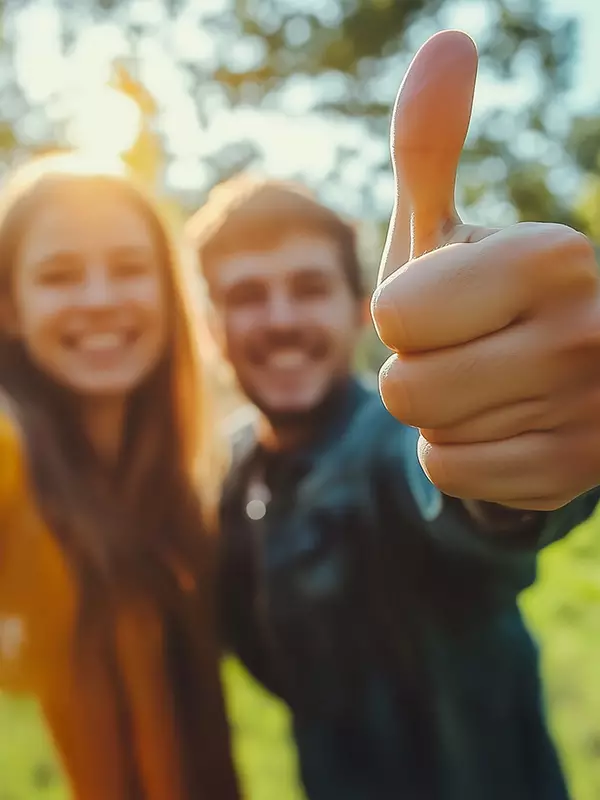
105, 557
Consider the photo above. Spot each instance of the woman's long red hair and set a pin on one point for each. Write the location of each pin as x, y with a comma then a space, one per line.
148, 526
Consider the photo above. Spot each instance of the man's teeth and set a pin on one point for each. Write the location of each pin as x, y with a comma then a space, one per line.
287, 359
101, 342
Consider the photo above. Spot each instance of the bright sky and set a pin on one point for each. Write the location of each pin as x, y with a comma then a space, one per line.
587, 72
291, 143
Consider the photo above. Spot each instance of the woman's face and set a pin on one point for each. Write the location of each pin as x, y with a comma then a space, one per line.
89, 297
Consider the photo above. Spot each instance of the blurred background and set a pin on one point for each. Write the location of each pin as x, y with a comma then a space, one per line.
190, 92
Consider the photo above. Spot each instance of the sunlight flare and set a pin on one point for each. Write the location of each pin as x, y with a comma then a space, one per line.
105, 123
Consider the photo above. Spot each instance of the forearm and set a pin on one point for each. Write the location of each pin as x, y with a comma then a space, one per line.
475, 528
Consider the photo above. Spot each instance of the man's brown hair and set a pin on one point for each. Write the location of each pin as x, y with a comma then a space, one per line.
247, 213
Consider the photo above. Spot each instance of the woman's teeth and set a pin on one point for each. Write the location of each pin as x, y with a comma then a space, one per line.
101, 342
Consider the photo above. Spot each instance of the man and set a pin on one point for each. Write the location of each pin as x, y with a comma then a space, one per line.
381, 609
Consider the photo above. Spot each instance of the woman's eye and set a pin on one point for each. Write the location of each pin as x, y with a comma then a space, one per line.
58, 277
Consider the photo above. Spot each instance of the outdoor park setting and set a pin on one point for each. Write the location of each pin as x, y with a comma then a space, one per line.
189, 94
564, 612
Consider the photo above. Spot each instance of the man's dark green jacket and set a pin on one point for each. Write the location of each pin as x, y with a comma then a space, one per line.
385, 615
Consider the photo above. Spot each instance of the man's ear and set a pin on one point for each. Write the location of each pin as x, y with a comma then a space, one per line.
364, 311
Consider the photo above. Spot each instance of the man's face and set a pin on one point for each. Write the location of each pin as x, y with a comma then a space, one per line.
290, 322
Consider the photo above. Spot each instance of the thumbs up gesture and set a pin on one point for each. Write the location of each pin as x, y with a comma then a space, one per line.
495, 333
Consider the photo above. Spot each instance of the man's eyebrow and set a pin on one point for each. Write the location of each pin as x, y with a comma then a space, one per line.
311, 266
130, 250
241, 281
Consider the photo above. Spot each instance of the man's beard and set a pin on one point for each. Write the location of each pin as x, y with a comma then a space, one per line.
305, 419
315, 345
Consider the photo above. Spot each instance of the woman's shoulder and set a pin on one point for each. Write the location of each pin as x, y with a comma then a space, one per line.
11, 452
9, 426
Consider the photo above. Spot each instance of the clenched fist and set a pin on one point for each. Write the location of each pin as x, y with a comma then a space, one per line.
496, 333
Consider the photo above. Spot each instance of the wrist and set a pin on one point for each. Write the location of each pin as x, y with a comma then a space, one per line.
496, 518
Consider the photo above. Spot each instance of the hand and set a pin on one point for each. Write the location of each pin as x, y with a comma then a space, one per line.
496, 333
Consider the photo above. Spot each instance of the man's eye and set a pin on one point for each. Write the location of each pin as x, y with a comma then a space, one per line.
129, 268
245, 296
311, 289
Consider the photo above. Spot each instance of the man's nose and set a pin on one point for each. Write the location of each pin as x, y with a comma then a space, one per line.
281, 311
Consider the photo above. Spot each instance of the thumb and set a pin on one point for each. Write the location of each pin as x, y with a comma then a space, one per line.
396, 251
429, 126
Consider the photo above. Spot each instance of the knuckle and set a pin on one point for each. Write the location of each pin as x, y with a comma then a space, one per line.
389, 314
582, 336
577, 244
394, 391
560, 238
558, 256
575, 254
410, 393
444, 476
385, 315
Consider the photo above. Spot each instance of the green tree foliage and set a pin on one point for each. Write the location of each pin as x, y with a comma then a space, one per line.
344, 58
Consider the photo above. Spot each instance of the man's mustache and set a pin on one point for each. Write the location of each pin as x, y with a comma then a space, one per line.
270, 341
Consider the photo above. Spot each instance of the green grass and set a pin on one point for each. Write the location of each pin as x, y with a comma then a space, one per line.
28, 769
563, 610
266, 762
